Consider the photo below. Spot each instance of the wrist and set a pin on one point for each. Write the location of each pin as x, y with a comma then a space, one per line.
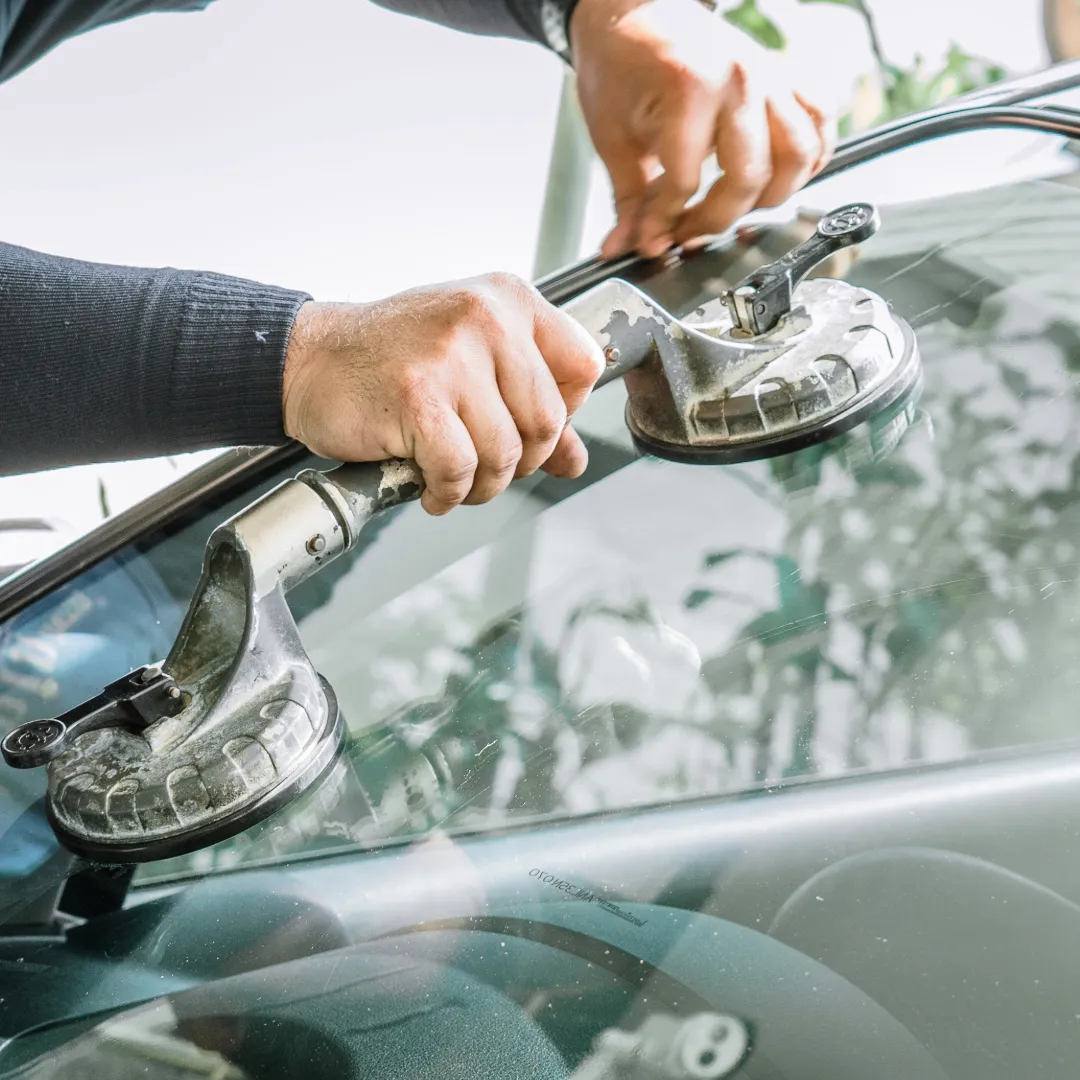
688, 33
298, 360
589, 17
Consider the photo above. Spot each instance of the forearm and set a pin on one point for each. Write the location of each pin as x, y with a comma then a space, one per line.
105, 363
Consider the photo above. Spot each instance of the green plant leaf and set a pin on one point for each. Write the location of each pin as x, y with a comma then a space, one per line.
749, 18
915, 88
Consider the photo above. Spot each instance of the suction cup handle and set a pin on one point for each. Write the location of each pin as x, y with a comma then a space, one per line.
764, 297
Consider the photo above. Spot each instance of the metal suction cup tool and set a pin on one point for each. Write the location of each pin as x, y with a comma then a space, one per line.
785, 364
236, 722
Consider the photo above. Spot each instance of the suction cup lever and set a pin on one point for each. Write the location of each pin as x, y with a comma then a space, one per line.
134, 702
763, 298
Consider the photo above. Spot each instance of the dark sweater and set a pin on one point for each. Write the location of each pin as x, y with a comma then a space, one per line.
104, 363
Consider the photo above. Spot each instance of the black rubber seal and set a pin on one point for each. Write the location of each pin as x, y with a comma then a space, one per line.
202, 836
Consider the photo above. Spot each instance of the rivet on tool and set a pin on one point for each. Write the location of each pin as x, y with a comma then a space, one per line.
316, 544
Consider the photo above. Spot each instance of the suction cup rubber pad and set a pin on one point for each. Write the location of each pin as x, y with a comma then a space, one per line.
905, 384
261, 806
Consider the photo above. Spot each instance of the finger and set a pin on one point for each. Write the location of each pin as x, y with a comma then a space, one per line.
444, 450
532, 396
495, 436
569, 459
743, 152
684, 141
629, 181
796, 146
826, 130
573, 358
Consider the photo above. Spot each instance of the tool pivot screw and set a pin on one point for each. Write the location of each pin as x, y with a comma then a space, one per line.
316, 544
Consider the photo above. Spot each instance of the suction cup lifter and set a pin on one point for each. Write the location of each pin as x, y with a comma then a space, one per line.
236, 722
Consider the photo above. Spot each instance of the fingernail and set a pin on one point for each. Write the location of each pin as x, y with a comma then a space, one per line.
695, 243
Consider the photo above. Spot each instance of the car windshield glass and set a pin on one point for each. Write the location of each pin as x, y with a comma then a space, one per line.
660, 631
654, 637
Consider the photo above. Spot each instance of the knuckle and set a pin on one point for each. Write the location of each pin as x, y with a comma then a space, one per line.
503, 452
469, 308
684, 84
520, 293
798, 156
502, 281
548, 424
748, 182
456, 470
478, 308
415, 391
685, 187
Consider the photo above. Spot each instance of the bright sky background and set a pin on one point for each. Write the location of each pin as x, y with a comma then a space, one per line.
336, 147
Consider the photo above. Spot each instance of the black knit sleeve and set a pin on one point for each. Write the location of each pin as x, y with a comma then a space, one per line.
104, 363
497, 18
30, 28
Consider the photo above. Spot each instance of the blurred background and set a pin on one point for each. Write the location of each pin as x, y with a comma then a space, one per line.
385, 151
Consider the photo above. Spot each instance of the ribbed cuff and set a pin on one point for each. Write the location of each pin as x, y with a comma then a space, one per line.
555, 22
229, 360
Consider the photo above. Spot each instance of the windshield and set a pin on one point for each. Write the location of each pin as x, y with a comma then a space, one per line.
630, 701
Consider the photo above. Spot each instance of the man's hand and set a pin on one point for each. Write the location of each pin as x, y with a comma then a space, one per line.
475, 379
657, 97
